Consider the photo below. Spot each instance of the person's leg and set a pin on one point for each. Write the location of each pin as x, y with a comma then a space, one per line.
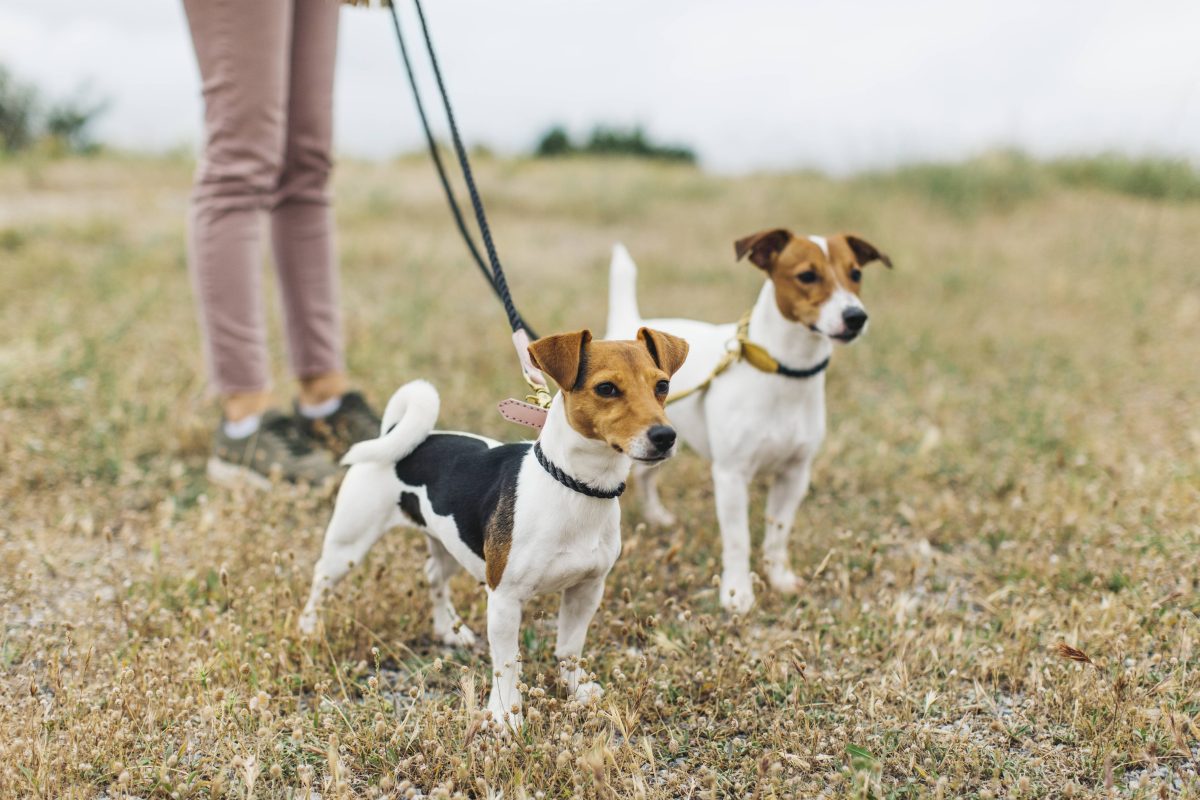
303, 241
301, 218
243, 54
243, 49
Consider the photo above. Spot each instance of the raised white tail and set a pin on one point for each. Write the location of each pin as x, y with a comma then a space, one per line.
623, 315
410, 415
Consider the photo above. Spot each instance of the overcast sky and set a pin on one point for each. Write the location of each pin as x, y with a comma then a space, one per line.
751, 84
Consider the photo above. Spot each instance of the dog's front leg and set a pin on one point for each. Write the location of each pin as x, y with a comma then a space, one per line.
645, 481
579, 604
504, 632
783, 499
732, 488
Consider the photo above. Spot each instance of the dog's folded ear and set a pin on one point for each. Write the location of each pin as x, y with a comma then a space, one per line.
762, 246
668, 352
563, 357
865, 252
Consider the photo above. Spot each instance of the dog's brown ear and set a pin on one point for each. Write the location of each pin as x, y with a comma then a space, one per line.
865, 252
763, 246
563, 357
668, 352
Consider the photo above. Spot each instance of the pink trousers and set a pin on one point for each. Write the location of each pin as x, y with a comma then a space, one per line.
267, 71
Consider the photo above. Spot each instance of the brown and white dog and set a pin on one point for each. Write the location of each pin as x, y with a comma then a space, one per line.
749, 421
522, 519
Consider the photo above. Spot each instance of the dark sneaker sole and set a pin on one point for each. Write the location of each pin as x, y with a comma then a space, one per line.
235, 476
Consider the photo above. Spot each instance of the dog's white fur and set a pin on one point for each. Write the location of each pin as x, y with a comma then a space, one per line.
746, 422
562, 541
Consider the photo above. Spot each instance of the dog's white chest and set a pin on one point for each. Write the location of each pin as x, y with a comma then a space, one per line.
766, 421
559, 544
574, 564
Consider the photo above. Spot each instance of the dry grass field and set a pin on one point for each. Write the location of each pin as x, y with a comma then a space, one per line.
1013, 465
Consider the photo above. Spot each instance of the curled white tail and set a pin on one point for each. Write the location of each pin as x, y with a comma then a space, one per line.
623, 314
410, 415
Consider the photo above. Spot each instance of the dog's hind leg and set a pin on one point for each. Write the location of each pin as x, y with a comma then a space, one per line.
645, 479
364, 510
783, 499
439, 569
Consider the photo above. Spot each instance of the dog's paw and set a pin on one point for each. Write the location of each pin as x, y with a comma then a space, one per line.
659, 516
589, 693
308, 623
463, 637
785, 581
737, 596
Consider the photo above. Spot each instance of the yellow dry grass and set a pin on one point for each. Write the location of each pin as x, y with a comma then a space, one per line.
1001, 546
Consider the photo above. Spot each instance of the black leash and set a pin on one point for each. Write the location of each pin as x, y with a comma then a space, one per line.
496, 277
573, 483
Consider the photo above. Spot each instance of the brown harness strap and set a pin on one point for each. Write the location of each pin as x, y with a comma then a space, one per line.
753, 354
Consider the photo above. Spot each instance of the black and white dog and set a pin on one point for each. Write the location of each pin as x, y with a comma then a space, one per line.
523, 519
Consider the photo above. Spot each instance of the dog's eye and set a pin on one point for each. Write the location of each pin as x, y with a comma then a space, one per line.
607, 389
856, 274
808, 277
662, 387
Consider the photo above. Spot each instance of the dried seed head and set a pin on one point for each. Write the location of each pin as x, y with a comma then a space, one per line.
1064, 650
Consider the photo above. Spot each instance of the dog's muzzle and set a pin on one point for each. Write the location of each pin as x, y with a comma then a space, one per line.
854, 318
662, 437
659, 444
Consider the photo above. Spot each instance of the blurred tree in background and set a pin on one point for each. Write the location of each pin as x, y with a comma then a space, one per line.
605, 141
17, 103
554, 142
27, 120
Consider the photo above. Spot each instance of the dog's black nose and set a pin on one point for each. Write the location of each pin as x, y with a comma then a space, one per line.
855, 318
662, 436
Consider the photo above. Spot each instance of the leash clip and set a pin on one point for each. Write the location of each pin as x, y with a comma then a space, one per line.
532, 411
533, 376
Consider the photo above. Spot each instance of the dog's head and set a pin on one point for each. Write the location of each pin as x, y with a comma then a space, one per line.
817, 280
614, 391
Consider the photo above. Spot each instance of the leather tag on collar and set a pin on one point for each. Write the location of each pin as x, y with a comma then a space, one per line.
522, 413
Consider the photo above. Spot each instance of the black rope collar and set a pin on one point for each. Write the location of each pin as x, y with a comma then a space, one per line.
572, 483
802, 373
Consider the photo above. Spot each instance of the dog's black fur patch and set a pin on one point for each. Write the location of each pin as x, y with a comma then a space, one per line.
463, 479
410, 504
